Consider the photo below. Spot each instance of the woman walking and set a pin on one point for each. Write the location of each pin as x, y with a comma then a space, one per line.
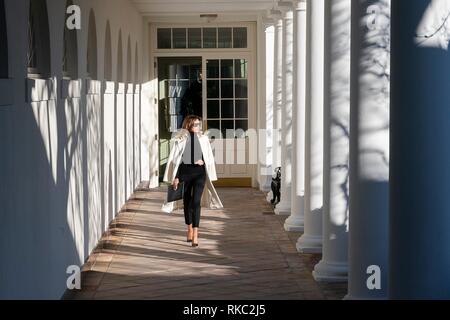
191, 161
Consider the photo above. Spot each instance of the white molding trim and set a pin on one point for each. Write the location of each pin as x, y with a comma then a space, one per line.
129, 88
189, 7
120, 88
71, 88
109, 88
40, 90
93, 87
137, 89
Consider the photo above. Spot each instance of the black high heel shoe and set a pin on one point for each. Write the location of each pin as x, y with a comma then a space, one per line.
194, 244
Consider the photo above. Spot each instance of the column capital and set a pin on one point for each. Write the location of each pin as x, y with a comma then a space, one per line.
299, 5
275, 15
268, 21
285, 7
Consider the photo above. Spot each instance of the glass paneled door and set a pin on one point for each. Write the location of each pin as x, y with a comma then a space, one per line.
228, 114
180, 94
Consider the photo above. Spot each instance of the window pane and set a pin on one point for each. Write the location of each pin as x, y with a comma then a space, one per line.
179, 38
227, 124
227, 109
164, 38
226, 67
224, 37
213, 109
182, 87
195, 37
240, 37
241, 89
213, 69
172, 89
195, 72
182, 72
241, 109
241, 128
241, 70
213, 89
209, 38
227, 89
214, 124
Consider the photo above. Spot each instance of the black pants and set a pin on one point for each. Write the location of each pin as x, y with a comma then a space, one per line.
194, 177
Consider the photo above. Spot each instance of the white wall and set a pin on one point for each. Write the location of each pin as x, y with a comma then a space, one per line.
62, 178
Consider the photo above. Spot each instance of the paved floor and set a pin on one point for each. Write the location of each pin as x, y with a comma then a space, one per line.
244, 253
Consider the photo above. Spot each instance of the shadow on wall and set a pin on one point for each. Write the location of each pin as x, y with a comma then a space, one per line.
36, 230
369, 169
58, 142
56, 200
57, 204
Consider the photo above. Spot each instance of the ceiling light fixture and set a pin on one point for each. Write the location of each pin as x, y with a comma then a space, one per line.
209, 16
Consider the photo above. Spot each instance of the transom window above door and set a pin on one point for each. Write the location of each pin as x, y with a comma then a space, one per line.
202, 38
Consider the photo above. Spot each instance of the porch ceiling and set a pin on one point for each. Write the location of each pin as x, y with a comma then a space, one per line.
193, 8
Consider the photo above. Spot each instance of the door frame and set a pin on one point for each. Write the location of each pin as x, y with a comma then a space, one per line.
248, 53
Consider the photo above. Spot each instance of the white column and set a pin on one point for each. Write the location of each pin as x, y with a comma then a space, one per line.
269, 47
284, 207
296, 220
311, 240
369, 149
277, 90
419, 265
334, 264
265, 101
269, 25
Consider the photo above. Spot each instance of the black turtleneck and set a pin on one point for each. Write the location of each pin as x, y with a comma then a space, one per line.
192, 152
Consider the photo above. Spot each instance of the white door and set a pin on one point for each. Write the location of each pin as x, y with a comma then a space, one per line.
229, 109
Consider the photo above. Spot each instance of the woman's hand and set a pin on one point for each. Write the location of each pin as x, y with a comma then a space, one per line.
200, 162
175, 183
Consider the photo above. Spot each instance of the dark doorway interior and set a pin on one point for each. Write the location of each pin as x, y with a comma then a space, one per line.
180, 94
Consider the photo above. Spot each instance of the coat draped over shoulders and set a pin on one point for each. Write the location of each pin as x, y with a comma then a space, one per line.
210, 199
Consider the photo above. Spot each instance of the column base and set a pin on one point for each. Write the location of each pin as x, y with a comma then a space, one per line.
330, 272
294, 224
267, 187
309, 244
283, 208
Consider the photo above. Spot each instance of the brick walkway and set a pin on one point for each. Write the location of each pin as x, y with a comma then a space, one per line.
244, 253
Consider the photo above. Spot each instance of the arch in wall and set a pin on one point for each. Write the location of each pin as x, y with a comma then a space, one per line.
108, 54
38, 40
70, 54
129, 64
136, 65
119, 59
91, 62
3, 42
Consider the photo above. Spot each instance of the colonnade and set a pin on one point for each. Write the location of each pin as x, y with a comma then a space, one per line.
364, 147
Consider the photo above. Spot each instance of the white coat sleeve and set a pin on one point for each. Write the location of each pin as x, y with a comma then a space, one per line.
212, 164
170, 167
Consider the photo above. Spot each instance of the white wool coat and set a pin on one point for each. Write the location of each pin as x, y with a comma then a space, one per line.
210, 198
